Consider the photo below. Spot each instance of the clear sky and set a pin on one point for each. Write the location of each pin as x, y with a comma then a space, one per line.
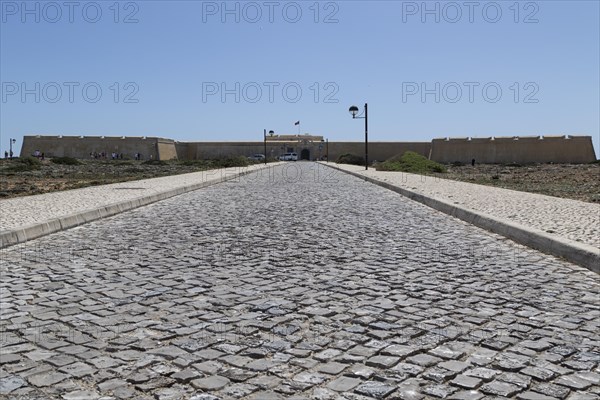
204, 71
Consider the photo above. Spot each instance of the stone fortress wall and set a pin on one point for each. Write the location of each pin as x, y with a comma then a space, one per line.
517, 149
83, 146
498, 150
377, 150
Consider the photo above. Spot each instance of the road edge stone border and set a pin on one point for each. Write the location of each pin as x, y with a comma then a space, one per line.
23, 234
578, 253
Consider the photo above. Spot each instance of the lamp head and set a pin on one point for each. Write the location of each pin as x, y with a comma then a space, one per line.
353, 110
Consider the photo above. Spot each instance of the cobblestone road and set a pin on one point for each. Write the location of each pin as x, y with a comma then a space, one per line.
570, 219
293, 282
22, 211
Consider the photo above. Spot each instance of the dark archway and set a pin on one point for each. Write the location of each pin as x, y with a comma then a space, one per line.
305, 154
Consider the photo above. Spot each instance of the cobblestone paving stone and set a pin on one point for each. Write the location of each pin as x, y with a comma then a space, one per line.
22, 211
297, 282
571, 219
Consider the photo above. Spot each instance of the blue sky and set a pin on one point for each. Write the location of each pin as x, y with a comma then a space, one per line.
204, 71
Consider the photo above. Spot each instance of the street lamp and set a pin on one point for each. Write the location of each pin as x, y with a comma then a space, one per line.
10, 146
354, 110
321, 148
271, 133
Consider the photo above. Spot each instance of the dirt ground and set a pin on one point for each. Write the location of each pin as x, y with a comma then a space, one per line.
579, 182
18, 179
571, 181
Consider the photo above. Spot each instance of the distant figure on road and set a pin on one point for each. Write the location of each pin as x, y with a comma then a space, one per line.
473, 162
5, 154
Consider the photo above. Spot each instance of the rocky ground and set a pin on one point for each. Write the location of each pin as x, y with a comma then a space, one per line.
19, 179
571, 181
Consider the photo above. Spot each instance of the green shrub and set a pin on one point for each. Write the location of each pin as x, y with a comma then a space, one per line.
411, 162
132, 170
195, 163
19, 167
23, 165
66, 161
352, 159
230, 162
155, 162
30, 161
187, 163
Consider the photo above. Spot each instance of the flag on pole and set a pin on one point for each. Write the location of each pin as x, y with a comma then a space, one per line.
297, 123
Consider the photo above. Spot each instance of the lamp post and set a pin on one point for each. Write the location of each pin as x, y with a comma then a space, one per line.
354, 110
320, 149
11, 141
265, 142
327, 149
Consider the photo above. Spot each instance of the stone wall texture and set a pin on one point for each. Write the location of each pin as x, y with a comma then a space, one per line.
82, 146
499, 150
505, 150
